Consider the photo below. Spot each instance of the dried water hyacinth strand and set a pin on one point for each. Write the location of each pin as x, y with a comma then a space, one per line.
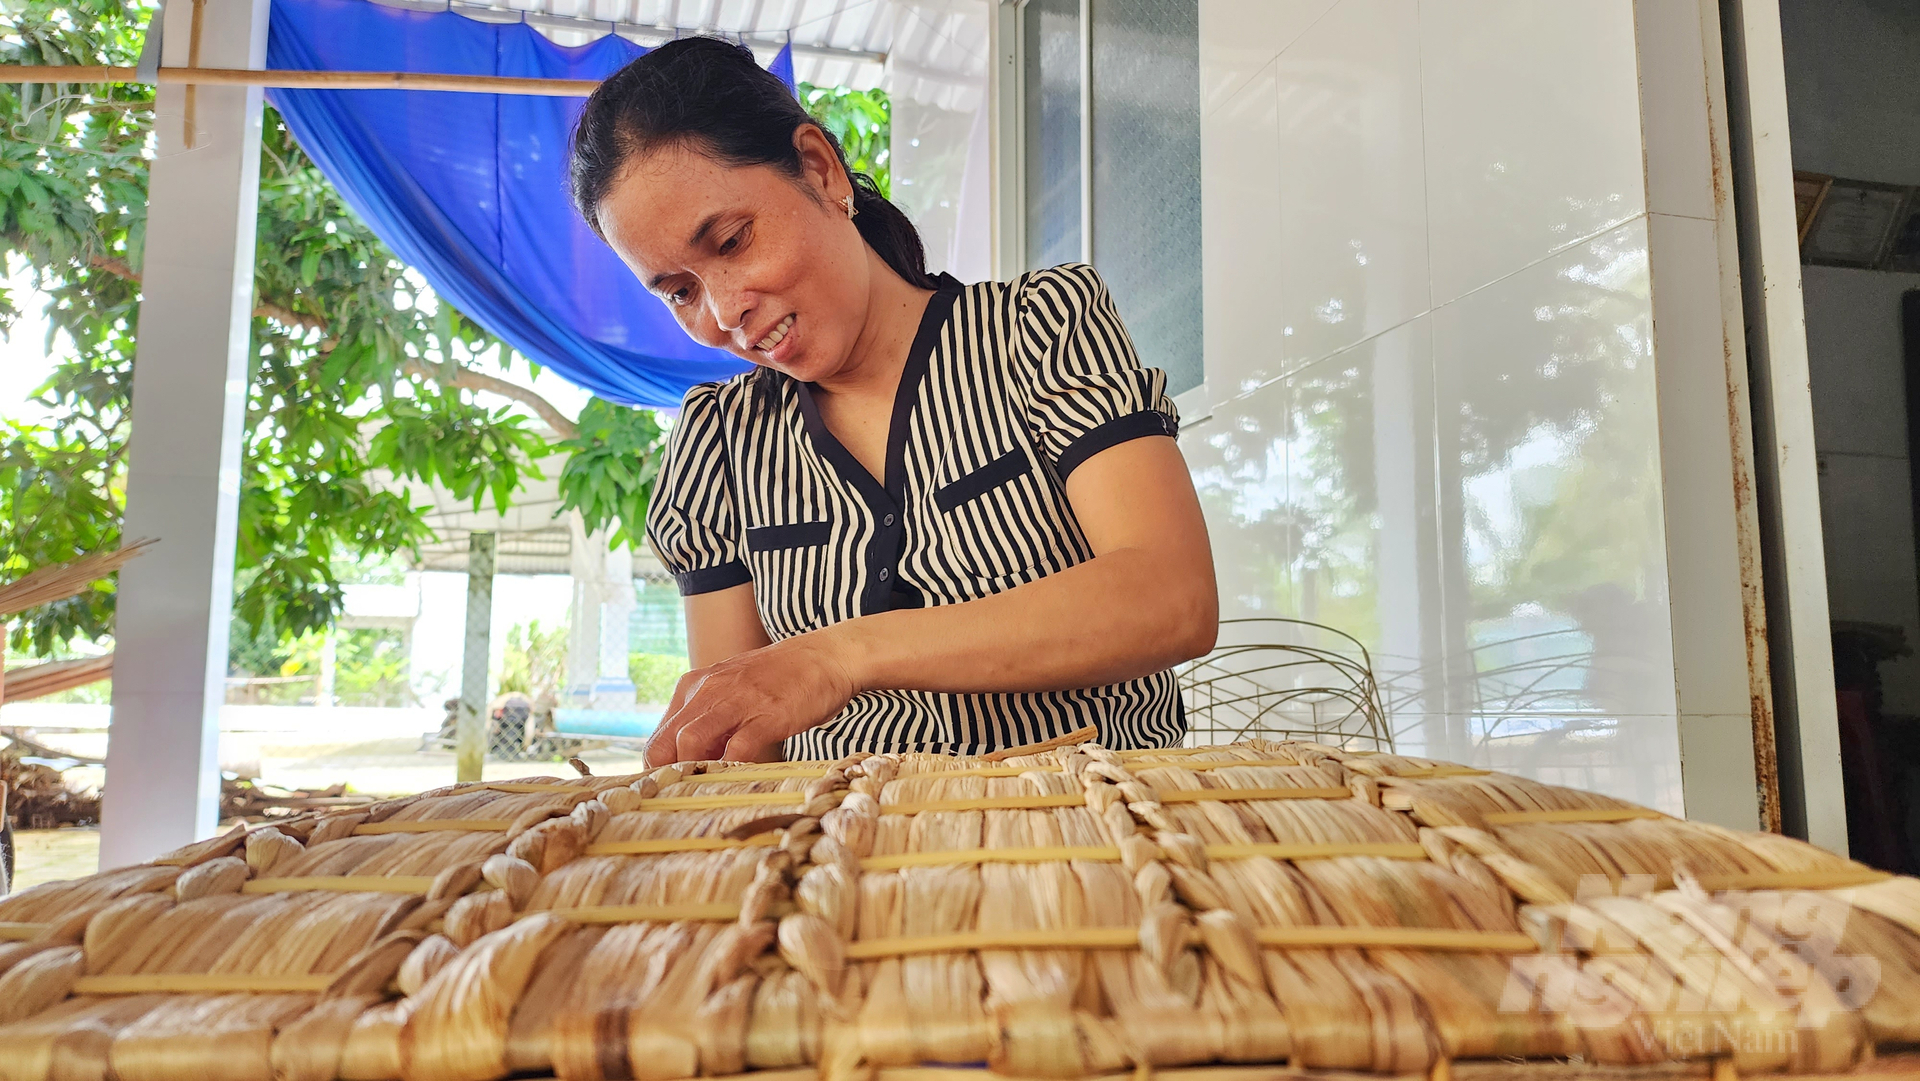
300, 948
72, 1039
1645, 848
468, 980
652, 997
1465, 985
64, 580
191, 1033
919, 1009
768, 1000
1734, 1012
696, 1016
1230, 933
53, 902
1050, 1040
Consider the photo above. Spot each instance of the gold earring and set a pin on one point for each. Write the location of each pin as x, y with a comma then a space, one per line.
848, 203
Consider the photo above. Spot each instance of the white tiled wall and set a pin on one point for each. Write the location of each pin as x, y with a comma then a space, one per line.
1436, 398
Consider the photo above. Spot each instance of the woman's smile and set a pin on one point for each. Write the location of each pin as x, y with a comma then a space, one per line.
778, 345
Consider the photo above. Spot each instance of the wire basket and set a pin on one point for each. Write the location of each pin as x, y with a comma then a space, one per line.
1273, 678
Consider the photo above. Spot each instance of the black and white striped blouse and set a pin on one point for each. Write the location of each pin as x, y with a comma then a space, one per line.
1007, 389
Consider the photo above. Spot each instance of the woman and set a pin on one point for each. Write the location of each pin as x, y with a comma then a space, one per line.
934, 517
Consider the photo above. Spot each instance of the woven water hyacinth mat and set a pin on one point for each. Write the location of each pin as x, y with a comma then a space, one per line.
1264, 910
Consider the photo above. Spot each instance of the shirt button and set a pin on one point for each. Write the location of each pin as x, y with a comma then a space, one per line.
888, 520
883, 574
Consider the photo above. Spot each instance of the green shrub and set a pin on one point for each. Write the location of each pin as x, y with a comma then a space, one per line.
654, 675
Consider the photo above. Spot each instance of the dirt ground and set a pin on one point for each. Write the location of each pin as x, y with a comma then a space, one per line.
51, 855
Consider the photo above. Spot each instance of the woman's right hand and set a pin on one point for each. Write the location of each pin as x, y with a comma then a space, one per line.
744, 708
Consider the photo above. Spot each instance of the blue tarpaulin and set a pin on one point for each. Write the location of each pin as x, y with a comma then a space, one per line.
470, 189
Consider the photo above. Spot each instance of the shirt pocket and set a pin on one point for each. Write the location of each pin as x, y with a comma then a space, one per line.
790, 567
997, 519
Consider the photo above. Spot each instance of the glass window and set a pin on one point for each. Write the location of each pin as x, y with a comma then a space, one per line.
1146, 176
1052, 30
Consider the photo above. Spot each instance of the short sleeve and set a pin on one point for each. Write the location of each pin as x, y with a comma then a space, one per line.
692, 525
1089, 390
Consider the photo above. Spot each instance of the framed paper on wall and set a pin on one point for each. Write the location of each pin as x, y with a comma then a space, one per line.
1903, 253
1809, 191
1854, 223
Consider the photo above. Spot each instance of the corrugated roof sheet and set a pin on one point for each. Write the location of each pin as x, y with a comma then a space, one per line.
934, 54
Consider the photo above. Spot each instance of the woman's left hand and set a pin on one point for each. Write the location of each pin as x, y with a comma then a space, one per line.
743, 708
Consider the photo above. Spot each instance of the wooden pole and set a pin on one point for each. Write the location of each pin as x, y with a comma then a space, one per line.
193, 61
79, 74
470, 730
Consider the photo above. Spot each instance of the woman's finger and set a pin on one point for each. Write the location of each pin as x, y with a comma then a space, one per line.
704, 735
661, 745
754, 742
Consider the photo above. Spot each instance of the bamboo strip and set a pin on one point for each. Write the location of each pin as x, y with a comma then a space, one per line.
1425, 772
990, 855
1084, 734
989, 771
986, 803
718, 911
433, 825
682, 844
1578, 814
1126, 938
419, 884
1079, 938
811, 772
1192, 795
311, 80
1397, 938
197, 983
1794, 880
1008, 803
957, 857
1279, 1071
21, 932
709, 803
1382, 850
528, 787
730, 776
1197, 767
1147, 752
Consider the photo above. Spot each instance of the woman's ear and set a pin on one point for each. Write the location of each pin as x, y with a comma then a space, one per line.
820, 167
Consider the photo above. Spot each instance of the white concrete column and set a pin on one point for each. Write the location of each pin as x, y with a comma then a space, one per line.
183, 483
329, 669
470, 725
614, 688
586, 555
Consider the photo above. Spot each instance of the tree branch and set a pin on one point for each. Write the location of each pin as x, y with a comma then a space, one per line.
266, 309
465, 379
287, 317
468, 379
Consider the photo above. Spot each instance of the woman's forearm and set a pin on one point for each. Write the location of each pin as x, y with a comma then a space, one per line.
1122, 615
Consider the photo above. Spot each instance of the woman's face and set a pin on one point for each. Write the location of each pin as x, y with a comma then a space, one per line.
749, 259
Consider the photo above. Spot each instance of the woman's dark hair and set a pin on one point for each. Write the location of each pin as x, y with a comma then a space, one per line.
710, 95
